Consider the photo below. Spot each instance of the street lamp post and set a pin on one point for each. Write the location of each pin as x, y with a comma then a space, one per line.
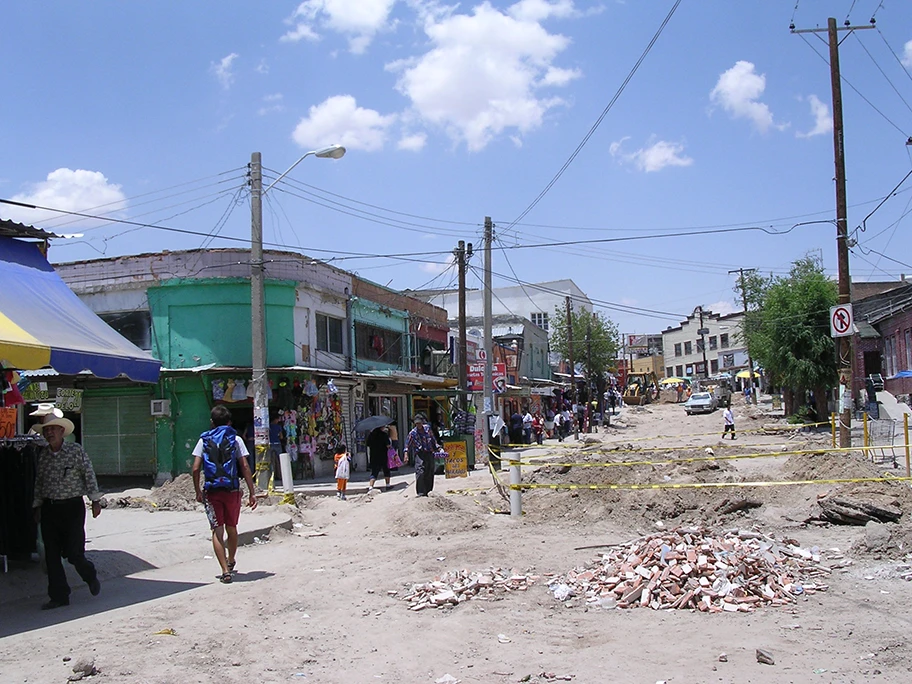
258, 307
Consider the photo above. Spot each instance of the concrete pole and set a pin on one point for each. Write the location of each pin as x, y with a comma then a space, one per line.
258, 325
515, 491
488, 391
463, 344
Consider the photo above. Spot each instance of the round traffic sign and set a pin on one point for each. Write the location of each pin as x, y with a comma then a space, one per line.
841, 319
481, 355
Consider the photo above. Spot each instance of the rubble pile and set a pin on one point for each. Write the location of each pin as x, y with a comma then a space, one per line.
458, 586
691, 568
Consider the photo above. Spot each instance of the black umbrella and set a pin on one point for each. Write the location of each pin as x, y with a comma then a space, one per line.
371, 423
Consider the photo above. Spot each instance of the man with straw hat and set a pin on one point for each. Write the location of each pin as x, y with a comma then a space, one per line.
65, 475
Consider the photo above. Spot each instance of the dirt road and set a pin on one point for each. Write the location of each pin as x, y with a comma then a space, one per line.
316, 604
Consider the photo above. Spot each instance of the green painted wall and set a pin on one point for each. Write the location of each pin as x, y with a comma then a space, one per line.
210, 319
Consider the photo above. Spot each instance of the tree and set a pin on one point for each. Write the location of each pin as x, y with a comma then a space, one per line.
591, 331
789, 333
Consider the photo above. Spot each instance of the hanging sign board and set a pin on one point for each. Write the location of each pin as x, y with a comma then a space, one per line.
457, 463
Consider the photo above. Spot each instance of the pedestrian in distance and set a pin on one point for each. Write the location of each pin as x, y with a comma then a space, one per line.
549, 423
559, 425
516, 428
64, 476
421, 445
342, 459
378, 446
729, 419
220, 459
538, 427
527, 426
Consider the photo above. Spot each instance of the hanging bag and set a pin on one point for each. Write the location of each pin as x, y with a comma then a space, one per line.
392, 458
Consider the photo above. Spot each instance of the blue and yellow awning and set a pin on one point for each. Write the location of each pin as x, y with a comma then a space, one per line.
44, 324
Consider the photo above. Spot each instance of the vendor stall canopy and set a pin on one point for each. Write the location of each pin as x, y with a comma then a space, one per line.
44, 324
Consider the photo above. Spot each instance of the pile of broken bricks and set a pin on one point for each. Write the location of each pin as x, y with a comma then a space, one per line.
458, 586
691, 568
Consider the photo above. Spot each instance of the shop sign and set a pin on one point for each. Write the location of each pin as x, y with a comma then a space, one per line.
475, 377
7, 422
457, 463
543, 391
36, 391
69, 399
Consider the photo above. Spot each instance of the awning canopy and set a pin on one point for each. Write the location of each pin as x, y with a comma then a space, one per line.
43, 323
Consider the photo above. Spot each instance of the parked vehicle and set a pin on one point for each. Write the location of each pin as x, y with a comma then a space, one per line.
642, 388
701, 402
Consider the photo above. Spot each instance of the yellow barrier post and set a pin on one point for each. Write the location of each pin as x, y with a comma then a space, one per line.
833, 427
515, 491
906, 433
866, 433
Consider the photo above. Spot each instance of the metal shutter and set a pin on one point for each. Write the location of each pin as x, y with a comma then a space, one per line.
119, 434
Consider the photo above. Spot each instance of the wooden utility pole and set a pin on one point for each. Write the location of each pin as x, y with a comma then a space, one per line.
750, 361
573, 391
845, 345
589, 368
462, 256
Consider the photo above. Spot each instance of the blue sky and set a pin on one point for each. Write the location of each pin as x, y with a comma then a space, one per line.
149, 112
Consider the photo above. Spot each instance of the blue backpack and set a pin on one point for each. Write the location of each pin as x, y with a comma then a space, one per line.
220, 455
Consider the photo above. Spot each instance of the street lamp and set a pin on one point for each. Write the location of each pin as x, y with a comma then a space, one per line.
258, 305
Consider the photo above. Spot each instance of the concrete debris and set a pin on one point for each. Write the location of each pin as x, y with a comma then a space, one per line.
455, 587
691, 568
765, 657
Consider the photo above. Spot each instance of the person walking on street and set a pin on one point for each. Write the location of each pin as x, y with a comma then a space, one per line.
559, 425
342, 459
729, 419
378, 446
64, 476
538, 427
527, 427
421, 445
219, 455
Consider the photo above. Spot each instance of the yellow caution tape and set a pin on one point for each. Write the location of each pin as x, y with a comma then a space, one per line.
707, 485
167, 631
692, 459
288, 499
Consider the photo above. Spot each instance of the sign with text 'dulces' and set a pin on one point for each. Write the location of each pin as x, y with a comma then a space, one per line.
475, 377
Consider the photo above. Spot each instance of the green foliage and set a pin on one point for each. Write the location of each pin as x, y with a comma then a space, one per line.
789, 331
590, 329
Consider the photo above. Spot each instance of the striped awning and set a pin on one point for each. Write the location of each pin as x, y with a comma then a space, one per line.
43, 324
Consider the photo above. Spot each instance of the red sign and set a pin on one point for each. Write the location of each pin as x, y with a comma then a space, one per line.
476, 377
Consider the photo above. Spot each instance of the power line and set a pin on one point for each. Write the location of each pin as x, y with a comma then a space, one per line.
601, 117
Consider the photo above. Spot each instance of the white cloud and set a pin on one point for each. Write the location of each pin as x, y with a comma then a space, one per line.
722, 307
262, 67
339, 120
480, 76
360, 20
823, 123
222, 70
907, 55
79, 190
738, 92
438, 267
271, 104
657, 155
413, 143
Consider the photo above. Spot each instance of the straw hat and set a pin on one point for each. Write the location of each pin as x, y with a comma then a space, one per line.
52, 419
47, 409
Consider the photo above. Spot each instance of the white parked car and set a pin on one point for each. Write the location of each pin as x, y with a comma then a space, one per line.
701, 402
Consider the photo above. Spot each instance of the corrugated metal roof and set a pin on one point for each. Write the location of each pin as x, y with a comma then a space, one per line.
20, 230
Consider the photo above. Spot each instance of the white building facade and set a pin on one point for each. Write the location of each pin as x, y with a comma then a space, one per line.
718, 343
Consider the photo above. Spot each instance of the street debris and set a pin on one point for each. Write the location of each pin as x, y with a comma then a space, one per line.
458, 586
692, 568
765, 657
846, 510
84, 667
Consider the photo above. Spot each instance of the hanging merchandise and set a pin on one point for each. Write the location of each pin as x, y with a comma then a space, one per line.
331, 387
229, 390
240, 392
218, 390
283, 392
297, 391
310, 389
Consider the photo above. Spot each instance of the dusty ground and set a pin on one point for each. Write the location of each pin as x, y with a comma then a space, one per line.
318, 608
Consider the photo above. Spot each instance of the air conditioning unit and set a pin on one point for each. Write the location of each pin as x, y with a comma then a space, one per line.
160, 407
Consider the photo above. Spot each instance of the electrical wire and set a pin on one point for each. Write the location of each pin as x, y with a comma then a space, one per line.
899, 61
601, 117
857, 92
883, 73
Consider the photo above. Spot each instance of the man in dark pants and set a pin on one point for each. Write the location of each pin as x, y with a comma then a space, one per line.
420, 446
65, 475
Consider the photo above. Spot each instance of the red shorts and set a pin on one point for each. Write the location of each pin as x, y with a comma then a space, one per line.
223, 507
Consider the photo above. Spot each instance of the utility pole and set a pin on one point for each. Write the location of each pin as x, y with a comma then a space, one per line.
750, 361
589, 367
845, 345
258, 325
702, 333
488, 406
462, 256
572, 371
